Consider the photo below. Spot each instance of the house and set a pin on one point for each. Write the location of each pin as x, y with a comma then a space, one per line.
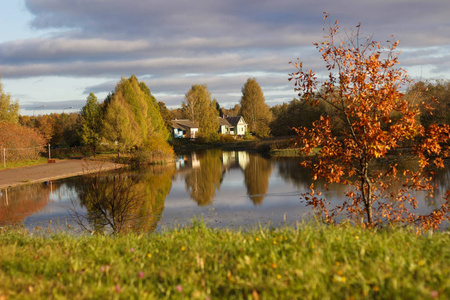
184, 129
240, 127
224, 126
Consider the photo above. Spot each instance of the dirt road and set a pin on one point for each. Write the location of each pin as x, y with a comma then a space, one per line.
52, 171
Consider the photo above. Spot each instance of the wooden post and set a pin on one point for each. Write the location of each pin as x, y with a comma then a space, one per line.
49, 156
4, 158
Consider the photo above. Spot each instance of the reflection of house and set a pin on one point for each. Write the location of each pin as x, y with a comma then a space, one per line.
184, 129
224, 126
243, 159
239, 126
230, 158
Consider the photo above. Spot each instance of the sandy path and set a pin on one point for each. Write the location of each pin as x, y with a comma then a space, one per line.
52, 171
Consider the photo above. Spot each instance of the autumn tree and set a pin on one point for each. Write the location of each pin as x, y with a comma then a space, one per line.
199, 108
90, 127
254, 108
363, 86
133, 106
9, 109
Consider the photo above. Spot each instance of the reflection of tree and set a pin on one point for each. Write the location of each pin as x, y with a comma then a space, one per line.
17, 203
125, 201
203, 181
257, 174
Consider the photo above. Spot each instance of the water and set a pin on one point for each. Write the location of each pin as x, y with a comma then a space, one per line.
226, 189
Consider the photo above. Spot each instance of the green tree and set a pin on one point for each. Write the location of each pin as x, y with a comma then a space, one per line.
119, 126
254, 109
144, 126
9, 110
90, 129
199, 108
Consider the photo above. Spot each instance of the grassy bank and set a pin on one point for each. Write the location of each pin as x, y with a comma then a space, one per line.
23, 163
311, 262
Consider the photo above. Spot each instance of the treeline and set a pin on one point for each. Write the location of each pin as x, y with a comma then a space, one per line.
435, 95
131, 119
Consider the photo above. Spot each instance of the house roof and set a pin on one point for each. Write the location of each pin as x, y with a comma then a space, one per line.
183, 124
234, 120
224, 122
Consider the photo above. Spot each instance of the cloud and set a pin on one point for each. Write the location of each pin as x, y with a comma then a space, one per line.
221, 42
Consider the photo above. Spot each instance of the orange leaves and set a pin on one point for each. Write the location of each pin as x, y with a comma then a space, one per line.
362, 95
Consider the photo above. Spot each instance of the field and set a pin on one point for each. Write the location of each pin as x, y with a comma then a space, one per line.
311, 261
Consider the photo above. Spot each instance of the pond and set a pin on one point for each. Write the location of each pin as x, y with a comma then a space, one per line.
233, 189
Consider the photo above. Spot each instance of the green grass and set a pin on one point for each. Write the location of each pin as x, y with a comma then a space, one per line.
23, 163
291, 152
309, 262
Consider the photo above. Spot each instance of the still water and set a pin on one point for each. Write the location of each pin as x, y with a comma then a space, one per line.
233, 189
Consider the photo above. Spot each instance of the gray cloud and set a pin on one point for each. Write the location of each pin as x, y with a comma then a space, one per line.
174, 44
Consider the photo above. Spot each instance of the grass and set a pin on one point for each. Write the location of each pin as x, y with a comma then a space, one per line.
289, 152
197, 262
23, 163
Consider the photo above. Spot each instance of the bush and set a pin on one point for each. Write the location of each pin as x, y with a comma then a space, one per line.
21, 142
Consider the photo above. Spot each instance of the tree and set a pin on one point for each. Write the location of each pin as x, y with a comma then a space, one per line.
119, 126
254, 109
139, 114
294, 114
166, 114
90, 129
363, 86
435, 95
199, 108
9, 110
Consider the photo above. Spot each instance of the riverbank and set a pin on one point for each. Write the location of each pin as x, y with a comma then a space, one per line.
309, 262
52, 171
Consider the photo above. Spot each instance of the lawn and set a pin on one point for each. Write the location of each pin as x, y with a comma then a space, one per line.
311, 261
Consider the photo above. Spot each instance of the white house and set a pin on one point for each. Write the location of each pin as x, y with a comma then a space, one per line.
240, 127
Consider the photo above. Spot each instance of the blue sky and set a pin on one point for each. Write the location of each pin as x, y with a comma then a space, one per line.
55, 52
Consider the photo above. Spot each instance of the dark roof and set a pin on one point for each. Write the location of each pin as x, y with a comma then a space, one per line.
234, 120
224, 122
183, 124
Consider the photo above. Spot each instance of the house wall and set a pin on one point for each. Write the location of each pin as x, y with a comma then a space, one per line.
224, 129
241, 128
193, 133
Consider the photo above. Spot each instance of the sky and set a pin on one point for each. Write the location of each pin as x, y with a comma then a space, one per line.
55, 52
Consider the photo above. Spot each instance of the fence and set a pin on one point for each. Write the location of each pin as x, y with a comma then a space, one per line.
18, 154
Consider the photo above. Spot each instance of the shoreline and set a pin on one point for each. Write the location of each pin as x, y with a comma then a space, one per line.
52, 171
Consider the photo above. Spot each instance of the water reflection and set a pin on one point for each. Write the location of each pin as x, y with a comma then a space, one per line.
16, 204
124, 201
207, 169
257, 173
226, 187
205, 176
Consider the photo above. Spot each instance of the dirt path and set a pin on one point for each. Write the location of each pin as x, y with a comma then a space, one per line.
52, 171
